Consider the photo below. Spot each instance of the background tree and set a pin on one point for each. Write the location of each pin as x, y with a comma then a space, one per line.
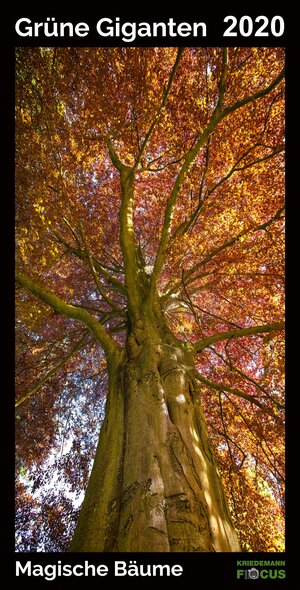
150, 256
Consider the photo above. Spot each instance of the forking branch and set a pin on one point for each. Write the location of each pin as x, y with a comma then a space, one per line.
218, 115
190, 274
70, 311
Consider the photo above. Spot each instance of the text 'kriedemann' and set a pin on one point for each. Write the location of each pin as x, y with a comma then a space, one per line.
121, 568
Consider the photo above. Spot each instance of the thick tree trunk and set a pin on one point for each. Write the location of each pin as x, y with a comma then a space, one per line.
155, 484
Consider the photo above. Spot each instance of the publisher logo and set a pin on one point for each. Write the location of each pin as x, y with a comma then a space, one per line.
252, 573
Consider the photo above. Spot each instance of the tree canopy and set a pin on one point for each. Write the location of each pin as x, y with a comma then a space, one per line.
199, 134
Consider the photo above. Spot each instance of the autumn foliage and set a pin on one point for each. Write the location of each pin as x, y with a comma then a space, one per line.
203, 130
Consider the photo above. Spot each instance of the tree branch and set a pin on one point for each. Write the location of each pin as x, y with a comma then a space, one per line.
239, 333
193, 306
256, 438
127, 234
228, 438
114, 156
245, 376
255, 96
70, 311
222, 83
171, 202
217, 116
73, 232
236, 168
106, 298
221, 387
184, 226
188, 276
52, 372
232, 241
115, 283
161, 106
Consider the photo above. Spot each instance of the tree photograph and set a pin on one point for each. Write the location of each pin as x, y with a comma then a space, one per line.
150, 261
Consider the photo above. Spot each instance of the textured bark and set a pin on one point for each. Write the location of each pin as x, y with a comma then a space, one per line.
154, 485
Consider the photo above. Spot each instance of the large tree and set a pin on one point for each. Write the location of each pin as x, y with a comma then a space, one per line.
149, 247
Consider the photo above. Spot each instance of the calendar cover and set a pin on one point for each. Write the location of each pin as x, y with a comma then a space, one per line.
146, 169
